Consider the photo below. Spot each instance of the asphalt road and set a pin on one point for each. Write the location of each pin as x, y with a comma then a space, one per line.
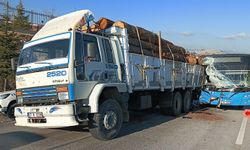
211, 128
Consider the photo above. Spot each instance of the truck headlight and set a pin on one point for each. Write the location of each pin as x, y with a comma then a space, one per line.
62, 93
19, 95
63, 96
19, 99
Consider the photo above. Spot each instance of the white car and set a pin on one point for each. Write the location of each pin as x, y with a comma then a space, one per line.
7, 102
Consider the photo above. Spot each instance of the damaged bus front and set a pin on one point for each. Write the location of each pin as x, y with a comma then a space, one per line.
228, 80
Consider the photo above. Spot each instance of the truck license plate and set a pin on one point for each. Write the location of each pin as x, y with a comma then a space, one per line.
35, 115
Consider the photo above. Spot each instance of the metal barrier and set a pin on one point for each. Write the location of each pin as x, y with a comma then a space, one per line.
36, 19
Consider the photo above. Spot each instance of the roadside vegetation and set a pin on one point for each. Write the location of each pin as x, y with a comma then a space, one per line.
11, 42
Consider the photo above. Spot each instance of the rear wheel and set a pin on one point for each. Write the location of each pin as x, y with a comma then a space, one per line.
187, 101
106, 124
177, 104
175, 107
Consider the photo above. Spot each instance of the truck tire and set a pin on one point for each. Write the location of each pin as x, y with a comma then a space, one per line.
166, 110
187, 101
10, 111
106, 124
176, 106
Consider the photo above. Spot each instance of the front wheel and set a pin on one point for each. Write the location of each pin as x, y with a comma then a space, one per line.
10, 111
106, 124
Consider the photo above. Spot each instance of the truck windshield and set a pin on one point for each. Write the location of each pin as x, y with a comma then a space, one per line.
44, 51
230, 71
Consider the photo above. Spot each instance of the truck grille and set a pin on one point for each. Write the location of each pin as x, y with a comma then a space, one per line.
41, 93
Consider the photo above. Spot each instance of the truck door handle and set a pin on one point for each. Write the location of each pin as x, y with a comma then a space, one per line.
105, 75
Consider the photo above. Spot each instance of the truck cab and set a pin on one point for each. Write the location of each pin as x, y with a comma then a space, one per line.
63, 77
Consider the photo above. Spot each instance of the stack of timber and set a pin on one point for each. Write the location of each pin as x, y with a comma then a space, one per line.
144, 42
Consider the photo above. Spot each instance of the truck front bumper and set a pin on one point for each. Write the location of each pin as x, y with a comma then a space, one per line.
51, 116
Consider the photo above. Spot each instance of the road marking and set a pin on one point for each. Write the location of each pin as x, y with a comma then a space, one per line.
241, 134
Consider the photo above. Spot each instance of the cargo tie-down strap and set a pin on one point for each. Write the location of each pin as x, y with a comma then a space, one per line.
142, 52
173, 69
140, 67
139, 38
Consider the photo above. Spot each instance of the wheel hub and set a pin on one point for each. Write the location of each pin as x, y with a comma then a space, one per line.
110, 120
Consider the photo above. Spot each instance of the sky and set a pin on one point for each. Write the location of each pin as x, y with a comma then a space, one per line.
192, 24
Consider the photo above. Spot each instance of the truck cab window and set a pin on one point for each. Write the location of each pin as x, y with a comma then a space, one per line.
108, 51
79, 57
45, 51
91, 49
78, 47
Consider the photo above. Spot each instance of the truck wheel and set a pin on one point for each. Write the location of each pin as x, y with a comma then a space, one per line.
187, 100
106, 124
165, 104
177, 104
10, 111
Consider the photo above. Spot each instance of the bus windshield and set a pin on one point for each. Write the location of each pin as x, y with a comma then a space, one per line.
228, 71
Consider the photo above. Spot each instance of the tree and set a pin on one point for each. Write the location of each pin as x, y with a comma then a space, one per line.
20, 20
9, 45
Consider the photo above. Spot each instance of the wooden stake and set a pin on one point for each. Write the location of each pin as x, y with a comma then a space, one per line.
160, 49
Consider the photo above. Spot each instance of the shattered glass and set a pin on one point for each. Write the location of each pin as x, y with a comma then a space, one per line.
228, 71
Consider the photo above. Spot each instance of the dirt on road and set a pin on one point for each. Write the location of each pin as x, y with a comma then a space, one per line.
205, 115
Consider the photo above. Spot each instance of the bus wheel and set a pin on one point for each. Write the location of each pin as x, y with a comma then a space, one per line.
106, 124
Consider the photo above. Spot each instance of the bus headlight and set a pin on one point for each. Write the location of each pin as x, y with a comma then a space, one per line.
62, 93
247, 96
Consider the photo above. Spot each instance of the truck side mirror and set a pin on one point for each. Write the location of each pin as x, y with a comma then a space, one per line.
91, 50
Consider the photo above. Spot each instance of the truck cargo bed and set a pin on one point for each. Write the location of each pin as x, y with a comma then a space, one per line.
150, 73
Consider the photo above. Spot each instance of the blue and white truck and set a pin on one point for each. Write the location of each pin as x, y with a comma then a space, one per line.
66, 77
228, 80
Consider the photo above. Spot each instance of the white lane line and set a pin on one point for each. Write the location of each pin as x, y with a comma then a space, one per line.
241, 134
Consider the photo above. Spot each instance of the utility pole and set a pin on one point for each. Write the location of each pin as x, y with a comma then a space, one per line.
7, 18
6, 33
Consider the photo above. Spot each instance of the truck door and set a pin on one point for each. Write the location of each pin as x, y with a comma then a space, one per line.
110, 65
94, 66
89, 64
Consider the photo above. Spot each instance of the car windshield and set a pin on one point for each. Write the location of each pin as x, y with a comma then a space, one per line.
44, 51
229, 71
